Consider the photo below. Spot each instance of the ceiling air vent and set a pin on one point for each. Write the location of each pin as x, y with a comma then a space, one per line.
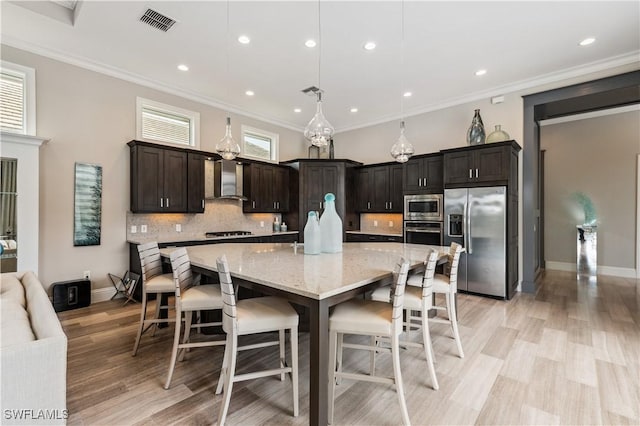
157, 20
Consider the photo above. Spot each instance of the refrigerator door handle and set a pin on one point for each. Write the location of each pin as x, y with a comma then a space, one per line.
467, 233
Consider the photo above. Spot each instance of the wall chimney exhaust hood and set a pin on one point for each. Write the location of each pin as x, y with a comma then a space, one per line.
223, 180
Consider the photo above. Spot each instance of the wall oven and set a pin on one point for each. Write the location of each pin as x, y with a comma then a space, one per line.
423, 207
423, 232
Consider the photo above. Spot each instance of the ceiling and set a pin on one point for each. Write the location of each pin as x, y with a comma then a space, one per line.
520, 44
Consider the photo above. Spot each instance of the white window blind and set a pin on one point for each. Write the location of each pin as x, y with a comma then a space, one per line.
259, 144
12, 102
158, 122
165, 127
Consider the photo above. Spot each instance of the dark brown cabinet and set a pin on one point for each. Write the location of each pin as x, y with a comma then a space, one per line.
313, 179
480, 164
373, 238
195, 182
379, 189
158, 179
266, 187
423, 174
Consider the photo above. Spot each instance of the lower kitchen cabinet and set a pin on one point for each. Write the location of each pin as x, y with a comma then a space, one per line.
373, 238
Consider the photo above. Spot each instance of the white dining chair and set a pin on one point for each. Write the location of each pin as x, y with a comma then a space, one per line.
253, 316
153, 282
374, 319
417, 299
446, 284
190, 298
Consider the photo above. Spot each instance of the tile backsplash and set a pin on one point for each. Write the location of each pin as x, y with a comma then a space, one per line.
219, 215
379, 223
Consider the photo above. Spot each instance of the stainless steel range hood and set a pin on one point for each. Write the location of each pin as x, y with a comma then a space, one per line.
223, 180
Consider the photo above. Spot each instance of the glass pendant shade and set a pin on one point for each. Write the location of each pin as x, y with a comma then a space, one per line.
319, 130
228, 148
402, 150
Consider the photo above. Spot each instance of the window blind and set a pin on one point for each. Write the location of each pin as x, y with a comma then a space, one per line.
166, 127
12, 102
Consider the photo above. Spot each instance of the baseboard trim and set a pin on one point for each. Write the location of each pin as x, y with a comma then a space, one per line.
613, 271
102, 294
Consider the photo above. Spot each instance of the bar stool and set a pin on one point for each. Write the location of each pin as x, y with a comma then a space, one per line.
375, 319
446, 284
252, 316
417, 299
190, 297
153, 282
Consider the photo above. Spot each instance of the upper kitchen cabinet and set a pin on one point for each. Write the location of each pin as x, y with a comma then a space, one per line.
379, 189
423, 174
480, 165
195, 182
315, 179
266, 187
158, 179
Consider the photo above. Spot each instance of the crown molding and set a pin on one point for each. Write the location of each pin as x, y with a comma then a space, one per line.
111, 71
527, 87
18, 138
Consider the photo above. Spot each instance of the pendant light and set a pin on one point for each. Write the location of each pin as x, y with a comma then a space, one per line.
228, 148
402, 150
319, 130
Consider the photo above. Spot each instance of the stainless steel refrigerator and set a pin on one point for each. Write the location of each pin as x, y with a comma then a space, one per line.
477, 219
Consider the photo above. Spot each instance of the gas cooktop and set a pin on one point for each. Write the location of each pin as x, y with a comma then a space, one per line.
225, 234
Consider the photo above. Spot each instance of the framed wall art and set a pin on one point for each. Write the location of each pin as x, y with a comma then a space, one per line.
87, 205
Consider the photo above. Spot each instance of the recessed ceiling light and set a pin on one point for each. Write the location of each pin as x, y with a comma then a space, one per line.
297, 110
587, 41
183, 67
481, 72
310, 43
244, 39
249, 93
354, 110
407, 94
370, 45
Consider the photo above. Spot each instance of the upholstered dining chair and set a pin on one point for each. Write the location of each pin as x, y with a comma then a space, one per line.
374, 319
190, 298
253, 316
153, 282
417, 299
446, 284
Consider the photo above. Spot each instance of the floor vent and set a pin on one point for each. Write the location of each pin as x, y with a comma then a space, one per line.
157, 20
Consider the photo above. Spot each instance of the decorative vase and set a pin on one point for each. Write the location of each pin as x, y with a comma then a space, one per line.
331, 153
330, 226
476, 134
314, 152
498, 135
312, 242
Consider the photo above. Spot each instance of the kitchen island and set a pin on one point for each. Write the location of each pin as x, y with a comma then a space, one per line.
314, 281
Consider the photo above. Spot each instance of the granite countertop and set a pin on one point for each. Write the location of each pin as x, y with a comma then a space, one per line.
393, 234
284, 267
182, 237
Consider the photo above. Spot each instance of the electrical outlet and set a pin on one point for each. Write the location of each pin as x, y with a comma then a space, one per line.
143, 228
262, 224
134, 229
178, 227
390, 224
375, 223
87, 275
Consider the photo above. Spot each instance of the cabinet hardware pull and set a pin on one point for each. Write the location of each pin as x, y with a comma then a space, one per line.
167, 202
425, 181
470, 174
390, 205
419, 181
253, 204
476, 173
368, 205
161, 202
203, 203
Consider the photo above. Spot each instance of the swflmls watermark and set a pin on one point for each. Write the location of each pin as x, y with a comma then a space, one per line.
38, 414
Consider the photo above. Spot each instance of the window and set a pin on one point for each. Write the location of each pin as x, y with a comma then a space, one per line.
17, 99
157, 122
259, 144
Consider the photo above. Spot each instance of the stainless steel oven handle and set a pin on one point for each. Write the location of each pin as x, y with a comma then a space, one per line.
425, 231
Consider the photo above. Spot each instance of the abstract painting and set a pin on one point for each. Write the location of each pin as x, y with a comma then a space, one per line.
87, 205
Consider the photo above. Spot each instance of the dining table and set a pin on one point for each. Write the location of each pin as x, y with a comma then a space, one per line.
317, 282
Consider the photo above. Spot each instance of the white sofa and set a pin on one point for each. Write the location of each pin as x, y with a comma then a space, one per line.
33, 354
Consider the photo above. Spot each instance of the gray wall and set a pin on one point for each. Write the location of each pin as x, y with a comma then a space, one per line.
595, 156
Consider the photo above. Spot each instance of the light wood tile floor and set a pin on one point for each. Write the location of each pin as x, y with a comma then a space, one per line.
568, 355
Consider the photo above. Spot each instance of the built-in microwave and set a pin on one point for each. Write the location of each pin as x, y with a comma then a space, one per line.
423, 207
